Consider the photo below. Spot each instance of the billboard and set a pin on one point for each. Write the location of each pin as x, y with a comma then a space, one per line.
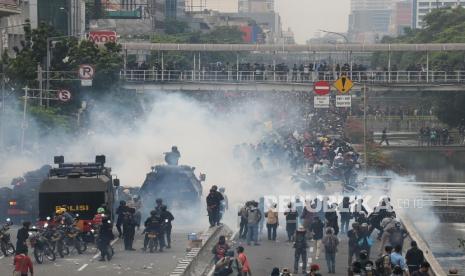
102, 36
250, 33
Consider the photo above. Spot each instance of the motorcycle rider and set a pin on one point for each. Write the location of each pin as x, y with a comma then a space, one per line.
62, 216
104, 238
158, 205
167, 218
22, 236
154, 224
98, 218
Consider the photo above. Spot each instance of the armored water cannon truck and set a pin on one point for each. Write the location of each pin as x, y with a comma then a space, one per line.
178, 186
80, 188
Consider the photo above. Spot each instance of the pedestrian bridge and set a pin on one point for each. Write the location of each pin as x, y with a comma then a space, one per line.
230, 80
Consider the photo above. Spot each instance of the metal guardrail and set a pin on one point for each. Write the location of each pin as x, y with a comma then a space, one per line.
380, 77
289, 48
440, 194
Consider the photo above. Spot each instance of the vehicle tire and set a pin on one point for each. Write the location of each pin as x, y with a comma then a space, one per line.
81, 246
50, 255
39, 256
66, 250
63, 250
151, 245
111, 251
10, 249
3, 249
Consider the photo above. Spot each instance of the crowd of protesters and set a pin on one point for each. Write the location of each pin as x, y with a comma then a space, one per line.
322, 225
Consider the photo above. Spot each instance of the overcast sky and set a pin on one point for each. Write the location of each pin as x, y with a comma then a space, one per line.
304, 17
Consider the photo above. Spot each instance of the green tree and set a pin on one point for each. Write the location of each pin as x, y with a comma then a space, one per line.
445, 25
173, 26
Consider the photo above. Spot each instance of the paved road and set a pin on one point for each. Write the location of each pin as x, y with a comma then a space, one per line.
281, 254
123, 263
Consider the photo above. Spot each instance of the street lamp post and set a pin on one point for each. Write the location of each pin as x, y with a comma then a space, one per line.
349, 53
69, 19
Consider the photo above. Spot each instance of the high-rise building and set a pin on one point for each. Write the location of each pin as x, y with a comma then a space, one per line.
369, 20
423, 7
401, 17
65, 16
357, 5
175, 8
247, 6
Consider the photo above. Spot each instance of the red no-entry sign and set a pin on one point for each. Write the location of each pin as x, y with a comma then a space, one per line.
321, 88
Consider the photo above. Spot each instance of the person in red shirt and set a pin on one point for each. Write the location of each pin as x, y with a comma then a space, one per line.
99, 216
23, 264
243, 262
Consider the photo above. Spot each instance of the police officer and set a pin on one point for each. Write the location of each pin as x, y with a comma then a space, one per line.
105, 236
129, 229
167, 218
122, 208
154, 224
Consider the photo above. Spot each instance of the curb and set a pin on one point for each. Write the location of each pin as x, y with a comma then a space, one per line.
191, 264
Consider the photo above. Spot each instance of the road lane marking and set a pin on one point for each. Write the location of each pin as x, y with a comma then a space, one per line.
98, 254
1, 257
82, 267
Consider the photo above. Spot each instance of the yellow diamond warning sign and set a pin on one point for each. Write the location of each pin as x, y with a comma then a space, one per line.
343, 84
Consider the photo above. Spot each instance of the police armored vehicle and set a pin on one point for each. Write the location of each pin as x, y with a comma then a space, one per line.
80, 188
177, 185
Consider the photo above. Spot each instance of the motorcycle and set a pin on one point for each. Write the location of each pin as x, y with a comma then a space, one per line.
73, 239
6, 246
153, 242
42, 246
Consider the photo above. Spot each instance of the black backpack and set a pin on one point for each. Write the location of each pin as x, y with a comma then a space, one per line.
379, 263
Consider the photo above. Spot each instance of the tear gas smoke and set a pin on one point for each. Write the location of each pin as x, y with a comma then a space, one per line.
204, 136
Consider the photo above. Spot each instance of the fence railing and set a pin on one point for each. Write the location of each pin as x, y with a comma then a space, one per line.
417, 77
440, 194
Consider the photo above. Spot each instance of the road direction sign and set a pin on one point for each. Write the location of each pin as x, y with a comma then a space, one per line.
322, 88
343, 84
321, 101
86, 72
64, 95
343, 101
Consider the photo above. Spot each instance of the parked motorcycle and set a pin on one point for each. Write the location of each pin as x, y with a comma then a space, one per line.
42, 246
6, 246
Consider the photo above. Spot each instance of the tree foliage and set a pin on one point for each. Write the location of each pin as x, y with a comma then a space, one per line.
67, 53
445, 25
